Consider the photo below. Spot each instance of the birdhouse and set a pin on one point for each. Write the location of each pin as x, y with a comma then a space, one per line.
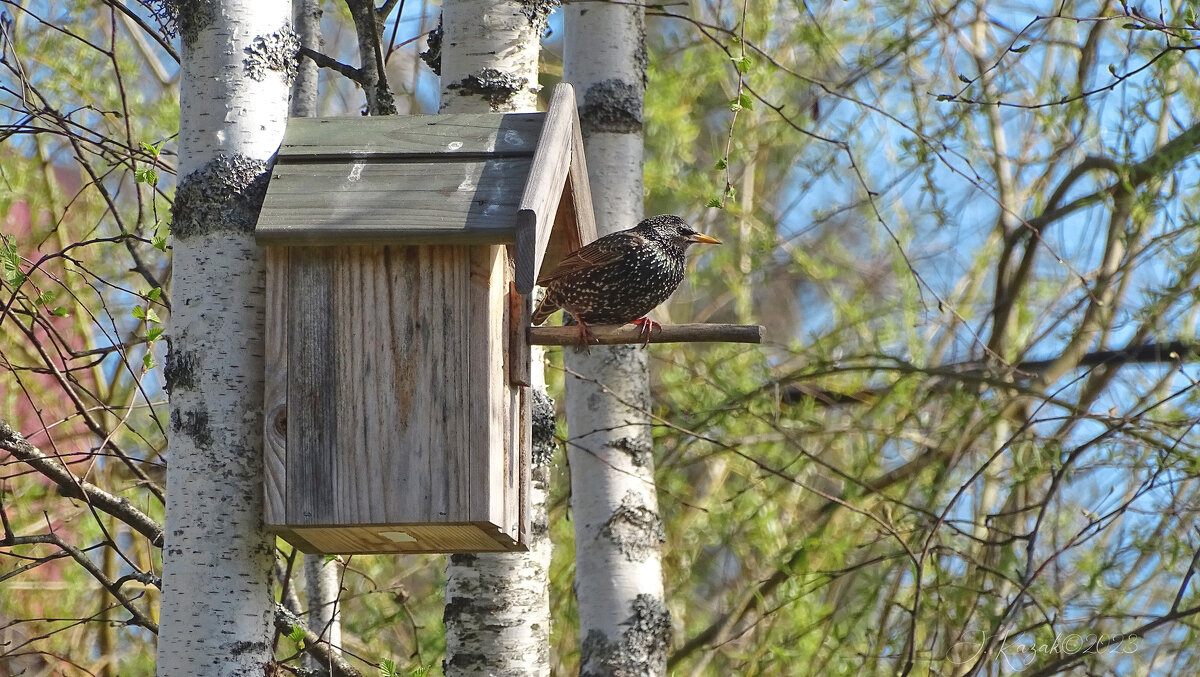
401, 256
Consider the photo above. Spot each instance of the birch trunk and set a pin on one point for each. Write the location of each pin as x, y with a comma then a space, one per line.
217, 604
624, 624
497, 614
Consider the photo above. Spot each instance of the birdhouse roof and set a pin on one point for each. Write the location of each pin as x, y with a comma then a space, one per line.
478, 178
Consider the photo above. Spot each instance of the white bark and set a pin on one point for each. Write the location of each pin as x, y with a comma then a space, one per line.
498, 604
623, 621
306, 17
323, 583
217, 605
490, 55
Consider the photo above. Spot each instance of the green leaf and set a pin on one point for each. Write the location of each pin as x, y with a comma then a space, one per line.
746, 101
146, 175
159, 242
148, 361
10, 261
45, 297
146, 314
721, 164
387, 668
154, 294
59, 312
1189, 15
153, 149
713, 203
734, 105
297, 636
742, 63
153, 333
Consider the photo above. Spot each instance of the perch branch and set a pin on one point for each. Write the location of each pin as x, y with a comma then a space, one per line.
608, 334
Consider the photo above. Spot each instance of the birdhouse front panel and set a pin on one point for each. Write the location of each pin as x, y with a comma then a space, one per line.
396, 419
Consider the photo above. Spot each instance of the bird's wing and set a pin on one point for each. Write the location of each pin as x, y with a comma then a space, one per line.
602, 252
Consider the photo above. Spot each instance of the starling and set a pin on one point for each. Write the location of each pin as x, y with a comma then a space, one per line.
620, 277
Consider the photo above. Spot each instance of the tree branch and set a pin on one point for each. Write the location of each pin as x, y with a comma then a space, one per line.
73, 487
608, 334
323, 61
314, 646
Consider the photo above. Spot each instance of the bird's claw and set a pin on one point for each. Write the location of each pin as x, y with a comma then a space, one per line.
586, 337
646, 329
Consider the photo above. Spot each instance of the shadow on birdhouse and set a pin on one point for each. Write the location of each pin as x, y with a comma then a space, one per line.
401, 253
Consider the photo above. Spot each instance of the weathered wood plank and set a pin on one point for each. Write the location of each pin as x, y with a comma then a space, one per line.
489, 383
406, 538
275, 389
518, 360
608, 334
403, 386
311, 430
371, 202
544, 188
415, 136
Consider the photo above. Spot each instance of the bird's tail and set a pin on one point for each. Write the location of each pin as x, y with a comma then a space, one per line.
545, 308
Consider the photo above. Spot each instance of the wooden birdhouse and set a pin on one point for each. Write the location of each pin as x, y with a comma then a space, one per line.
401, 253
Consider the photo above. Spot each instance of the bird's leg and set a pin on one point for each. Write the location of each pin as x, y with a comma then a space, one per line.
586, 337
646, 328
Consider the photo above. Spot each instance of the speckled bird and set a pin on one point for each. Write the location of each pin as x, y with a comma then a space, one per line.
620, 277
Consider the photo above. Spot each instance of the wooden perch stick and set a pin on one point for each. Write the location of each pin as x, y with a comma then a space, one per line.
608, 334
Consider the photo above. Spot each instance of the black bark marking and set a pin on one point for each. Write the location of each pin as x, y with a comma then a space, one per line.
224, 195
432, 56
194, 424
544, 428
491, 85
641, 453
276, 52
192, 17
612, 105
180, 371
635, 529
538, 12
641, 650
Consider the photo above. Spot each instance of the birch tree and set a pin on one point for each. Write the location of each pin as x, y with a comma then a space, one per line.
497, 613
624, 624
217, 607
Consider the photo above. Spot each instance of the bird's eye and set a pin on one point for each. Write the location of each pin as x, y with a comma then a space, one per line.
686, 232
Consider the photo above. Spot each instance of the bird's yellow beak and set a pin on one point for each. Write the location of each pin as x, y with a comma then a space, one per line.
706, 239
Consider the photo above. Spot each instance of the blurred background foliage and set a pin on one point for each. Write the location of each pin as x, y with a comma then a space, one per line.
969, 228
